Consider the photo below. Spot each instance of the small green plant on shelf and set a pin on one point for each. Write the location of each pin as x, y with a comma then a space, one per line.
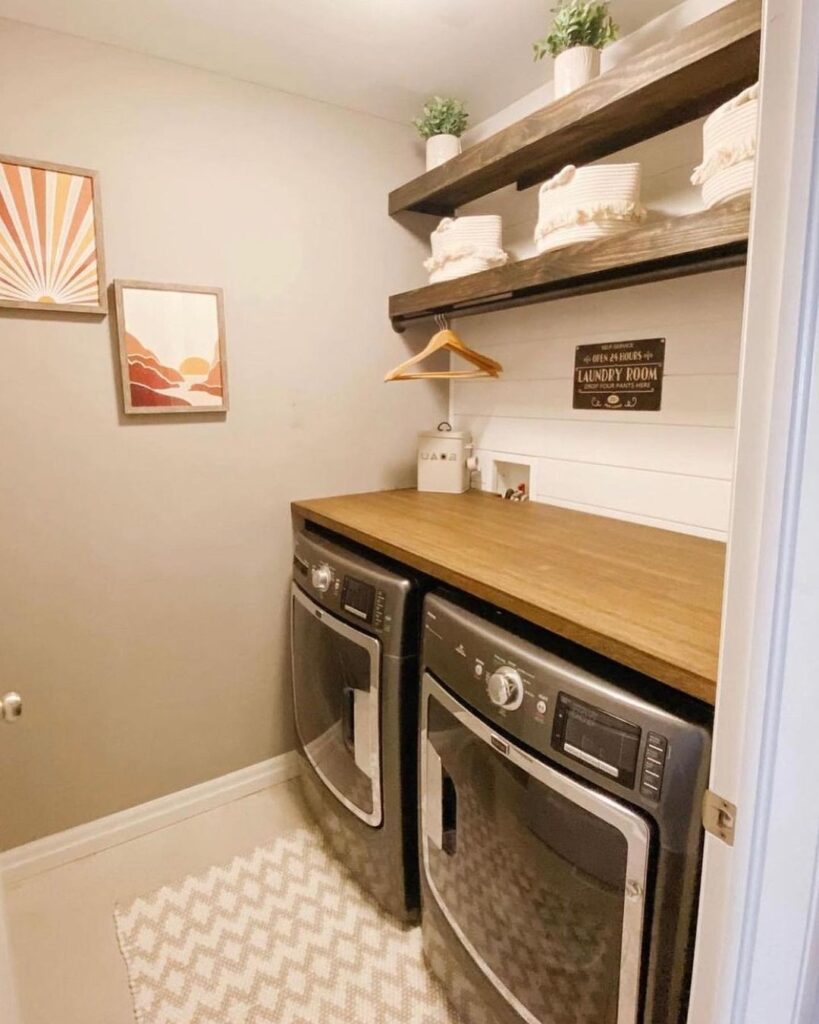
442, 116
577, 23
442, 123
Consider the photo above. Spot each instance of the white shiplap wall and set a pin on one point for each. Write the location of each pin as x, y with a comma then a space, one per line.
670, 468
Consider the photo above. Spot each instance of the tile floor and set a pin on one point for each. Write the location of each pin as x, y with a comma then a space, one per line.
67, 961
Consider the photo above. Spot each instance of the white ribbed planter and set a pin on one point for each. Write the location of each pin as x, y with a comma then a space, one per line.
729, 149
574, 67
465, 245
583, 203
441, 148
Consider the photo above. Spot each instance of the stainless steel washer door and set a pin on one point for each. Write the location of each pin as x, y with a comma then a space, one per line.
541, 877
336, 692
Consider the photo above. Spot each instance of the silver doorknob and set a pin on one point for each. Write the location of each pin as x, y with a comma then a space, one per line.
11, 707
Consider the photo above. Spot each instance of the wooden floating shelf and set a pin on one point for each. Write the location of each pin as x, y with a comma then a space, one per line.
674, 247
668, 84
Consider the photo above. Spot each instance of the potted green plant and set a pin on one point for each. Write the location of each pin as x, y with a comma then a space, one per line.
442, 123
580, 30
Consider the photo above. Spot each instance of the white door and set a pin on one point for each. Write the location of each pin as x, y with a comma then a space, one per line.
757, 945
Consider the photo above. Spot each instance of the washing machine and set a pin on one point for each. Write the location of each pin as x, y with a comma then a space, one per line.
354, 643
560, 827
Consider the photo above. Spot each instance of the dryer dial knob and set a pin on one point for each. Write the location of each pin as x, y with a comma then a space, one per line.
505, 688
322, 577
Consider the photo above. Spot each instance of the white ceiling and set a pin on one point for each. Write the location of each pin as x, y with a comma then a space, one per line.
380, 56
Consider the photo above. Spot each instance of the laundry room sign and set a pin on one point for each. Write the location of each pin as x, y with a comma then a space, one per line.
619, 375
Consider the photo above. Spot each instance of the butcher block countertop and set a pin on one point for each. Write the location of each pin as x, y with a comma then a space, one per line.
646, 598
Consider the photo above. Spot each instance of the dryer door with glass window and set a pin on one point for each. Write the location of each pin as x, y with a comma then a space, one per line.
541, 877
336, 673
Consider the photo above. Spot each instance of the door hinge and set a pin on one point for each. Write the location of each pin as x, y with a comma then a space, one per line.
719, 816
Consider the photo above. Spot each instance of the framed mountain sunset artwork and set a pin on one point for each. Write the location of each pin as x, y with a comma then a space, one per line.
51, 253
172, 347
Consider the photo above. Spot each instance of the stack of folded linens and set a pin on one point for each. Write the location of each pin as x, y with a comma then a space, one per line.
465, 245
729, 149
581, 204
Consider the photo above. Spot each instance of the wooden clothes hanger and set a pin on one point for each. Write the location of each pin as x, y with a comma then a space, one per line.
447, 339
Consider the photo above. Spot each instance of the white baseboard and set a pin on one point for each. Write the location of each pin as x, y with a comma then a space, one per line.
24, 862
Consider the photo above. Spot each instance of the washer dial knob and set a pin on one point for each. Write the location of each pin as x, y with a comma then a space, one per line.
322, 577
505, 688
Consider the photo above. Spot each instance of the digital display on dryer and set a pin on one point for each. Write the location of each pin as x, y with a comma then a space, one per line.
358, 598
607, 744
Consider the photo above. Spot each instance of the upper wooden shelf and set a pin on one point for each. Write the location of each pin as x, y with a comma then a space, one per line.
673, 247
668, 84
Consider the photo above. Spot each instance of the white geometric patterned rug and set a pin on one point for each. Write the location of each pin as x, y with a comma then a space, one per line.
281, 936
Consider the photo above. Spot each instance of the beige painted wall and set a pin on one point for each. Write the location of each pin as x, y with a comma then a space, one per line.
144, 563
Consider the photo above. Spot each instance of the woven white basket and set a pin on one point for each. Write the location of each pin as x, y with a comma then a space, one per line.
465, 245
728, 184
729, 149
581, 204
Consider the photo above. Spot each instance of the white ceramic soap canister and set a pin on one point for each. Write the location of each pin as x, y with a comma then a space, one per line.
445, 460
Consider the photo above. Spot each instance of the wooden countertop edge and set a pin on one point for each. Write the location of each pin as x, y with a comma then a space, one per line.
672, 675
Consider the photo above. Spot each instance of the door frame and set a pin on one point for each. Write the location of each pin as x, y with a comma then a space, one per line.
758, 934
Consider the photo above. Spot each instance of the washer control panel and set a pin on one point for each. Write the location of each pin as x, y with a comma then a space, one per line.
336, 582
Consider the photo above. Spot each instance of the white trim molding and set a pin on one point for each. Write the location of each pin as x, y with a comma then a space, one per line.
25, 862
775, 976
755, 953
9, 1008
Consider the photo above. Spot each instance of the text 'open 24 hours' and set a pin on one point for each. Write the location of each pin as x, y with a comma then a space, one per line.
619, 375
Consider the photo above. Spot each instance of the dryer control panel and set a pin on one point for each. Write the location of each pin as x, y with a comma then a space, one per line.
559, 709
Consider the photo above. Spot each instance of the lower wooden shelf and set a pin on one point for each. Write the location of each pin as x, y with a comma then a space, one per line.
660, 249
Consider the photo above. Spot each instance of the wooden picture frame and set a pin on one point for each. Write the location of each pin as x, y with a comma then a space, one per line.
172, 349
52, 255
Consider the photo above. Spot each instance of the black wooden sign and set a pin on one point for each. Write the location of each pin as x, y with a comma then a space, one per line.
619, 375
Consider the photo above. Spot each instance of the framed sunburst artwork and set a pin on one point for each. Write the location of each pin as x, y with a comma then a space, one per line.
51, 252
172, 347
